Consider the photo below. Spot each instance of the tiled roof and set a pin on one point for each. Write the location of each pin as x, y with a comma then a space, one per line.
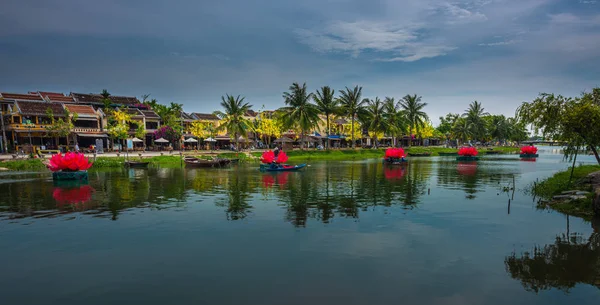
186, 116
97, 98
39, 108
44, 93
82, 110
251, 113
59, 99
150, 114
132, 111
205, 116
18, 96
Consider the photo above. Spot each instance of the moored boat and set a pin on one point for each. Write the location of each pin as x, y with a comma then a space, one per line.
444, 154
425, 154
137, 164
198, 163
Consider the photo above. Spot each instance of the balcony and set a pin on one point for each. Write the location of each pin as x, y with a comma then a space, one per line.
32, 127
86, 129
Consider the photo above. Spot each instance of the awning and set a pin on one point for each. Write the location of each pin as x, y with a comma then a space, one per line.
92, 135
83, 118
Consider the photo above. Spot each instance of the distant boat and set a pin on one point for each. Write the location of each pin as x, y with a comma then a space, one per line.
424, 154
195, 162
448, 153
136, 164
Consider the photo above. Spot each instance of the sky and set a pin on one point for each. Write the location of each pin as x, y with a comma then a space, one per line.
498, 52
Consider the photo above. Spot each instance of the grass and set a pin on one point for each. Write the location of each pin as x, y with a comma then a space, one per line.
358, 154
24, 165
559, 183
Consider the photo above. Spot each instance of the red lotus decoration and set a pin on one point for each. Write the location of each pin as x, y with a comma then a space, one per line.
269, 156
467, 151
70, 162
529, 150
281, 158
466, 169
396, 153
394, 173
72, 195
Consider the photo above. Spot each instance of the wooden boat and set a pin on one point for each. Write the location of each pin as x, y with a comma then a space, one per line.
493, 152
425, 154
529, 156
281, 168
448, 153
205, 163
234, 160
136, 164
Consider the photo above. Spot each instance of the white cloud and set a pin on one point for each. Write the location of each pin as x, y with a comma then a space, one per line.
462, 15
572, 19
500, 43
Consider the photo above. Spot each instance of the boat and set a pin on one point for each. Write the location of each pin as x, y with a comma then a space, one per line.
493, 152
425, 154
195, 162
529, 156
448, 153
235, 160
281, 167
137, 164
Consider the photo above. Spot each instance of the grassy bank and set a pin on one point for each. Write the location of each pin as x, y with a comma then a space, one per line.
24, 165
358, 154
559, 183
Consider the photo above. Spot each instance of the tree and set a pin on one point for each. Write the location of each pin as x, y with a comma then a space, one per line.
572, 120
140, 129
474, 117
328, 105
375, 119
203, 130
396, 119
269, 127
106, 101
61, 127
168, 133
446, 123
299, 111
413, 107
232, 118
119, 125
461, 130
352, 105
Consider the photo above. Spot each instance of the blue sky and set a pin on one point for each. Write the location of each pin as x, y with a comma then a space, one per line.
499, 52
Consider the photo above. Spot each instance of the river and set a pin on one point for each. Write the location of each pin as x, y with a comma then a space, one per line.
346, 232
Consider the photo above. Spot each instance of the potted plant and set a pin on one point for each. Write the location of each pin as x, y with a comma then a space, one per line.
71, 166
467, 154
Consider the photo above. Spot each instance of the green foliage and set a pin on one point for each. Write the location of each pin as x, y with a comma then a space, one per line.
447, 122
327, 104
140, 129
61, 127
566, 119
374, 119
232, 118
413, 109
299, 112
352, 106
24, 165
474, 119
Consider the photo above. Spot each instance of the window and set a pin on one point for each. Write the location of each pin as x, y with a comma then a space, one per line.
16, 120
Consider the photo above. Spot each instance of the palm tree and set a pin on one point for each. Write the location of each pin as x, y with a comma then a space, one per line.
299, 112
461, 130
233, 119
474, 116
328, 105
413, 107
395, 118
352, 105
375, 118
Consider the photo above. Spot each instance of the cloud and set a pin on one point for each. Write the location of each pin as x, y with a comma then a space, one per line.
500, 43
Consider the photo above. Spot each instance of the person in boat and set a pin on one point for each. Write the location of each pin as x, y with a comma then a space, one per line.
276, 153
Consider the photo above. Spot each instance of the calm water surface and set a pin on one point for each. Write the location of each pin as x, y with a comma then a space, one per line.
433, 232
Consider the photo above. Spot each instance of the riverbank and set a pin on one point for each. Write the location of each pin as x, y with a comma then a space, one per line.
574, 198
113, 160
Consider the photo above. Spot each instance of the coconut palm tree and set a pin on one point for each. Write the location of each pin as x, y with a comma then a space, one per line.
352, 105
461, 130
328, 105
413, 108
474, 116
375, 120
299, 111
232, 117
395, 118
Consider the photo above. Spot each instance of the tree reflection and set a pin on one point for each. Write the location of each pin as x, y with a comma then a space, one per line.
238, 193
571, 260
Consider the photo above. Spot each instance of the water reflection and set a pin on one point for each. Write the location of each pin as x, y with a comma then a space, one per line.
570, 260
325, 191
74, 196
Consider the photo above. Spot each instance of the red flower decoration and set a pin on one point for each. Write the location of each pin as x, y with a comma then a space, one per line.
394, 173
70, 162
394, 153
529, 150
281, 158
467, 151
267, 157
72, 195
